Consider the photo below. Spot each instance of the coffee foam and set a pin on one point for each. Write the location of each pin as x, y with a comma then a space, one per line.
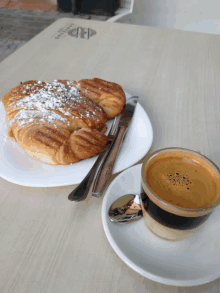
183, 179
177, 179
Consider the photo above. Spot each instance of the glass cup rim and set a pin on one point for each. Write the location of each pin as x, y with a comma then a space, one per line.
167, 206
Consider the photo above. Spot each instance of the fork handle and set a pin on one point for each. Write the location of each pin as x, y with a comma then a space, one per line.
104, 174
81, 192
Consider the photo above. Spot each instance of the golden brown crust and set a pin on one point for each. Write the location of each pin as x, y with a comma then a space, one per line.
107, 94
45, 118
74, 113
58, 123
60, 146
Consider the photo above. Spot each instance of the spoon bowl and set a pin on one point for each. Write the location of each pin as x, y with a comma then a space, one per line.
126, 209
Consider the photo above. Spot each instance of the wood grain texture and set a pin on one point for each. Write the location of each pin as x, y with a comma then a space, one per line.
51, 245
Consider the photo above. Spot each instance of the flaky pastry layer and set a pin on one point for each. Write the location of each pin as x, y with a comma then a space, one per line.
59, 122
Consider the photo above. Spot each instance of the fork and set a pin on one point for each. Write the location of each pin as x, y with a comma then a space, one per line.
81, 192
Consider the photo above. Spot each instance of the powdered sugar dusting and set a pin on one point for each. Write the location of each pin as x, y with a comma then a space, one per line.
27, 116
43, 97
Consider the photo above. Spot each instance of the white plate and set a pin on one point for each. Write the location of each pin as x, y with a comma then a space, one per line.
189, 262
17, 167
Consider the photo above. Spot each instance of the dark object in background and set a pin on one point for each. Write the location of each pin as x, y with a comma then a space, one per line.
99, 7
102, 7
64, 5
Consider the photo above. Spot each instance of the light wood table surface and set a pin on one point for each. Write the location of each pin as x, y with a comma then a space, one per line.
49, 244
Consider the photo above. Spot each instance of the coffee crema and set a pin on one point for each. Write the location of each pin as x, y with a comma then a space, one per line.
183, 179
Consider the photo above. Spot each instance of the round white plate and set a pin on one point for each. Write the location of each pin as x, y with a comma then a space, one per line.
18, 167
189, 262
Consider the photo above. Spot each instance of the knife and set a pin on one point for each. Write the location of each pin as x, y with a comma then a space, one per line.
82, 190
104, 174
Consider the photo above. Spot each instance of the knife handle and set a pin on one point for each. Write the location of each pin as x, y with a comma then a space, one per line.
81, 192
104, 175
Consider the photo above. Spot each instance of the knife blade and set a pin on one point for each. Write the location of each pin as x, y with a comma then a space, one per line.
82, 190
104, 175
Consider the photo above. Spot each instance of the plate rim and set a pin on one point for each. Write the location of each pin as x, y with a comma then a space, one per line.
127, 261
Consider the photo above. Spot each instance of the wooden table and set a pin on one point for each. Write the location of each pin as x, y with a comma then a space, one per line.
51, 245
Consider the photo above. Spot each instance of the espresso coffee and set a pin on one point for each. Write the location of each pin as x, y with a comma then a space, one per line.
183, 179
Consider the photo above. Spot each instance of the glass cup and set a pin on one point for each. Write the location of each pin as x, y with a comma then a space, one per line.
165, 219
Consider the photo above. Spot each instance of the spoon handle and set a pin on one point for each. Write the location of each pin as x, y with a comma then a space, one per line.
104, 174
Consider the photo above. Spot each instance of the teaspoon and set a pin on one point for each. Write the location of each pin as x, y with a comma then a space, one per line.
126, 209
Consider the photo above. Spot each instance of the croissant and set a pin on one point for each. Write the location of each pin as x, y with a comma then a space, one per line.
107, 94
56, 122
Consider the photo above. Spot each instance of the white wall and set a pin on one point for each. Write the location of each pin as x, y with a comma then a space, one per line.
195, 15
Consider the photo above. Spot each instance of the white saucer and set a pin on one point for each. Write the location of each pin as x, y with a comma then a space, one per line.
189, 262
17, 167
